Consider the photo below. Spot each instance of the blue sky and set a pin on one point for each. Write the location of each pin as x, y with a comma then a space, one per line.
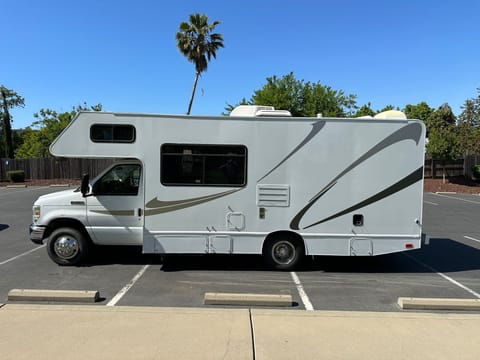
57, 54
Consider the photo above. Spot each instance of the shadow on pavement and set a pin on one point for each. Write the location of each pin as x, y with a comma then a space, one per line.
124, 255
3, 227
443, 255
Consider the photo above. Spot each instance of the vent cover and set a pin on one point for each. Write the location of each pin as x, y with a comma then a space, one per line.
273, 195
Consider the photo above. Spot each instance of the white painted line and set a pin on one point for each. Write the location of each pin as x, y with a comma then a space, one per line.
127, 287
456, 198
448, 278
23, 254
471, 238
430, 203
303, 295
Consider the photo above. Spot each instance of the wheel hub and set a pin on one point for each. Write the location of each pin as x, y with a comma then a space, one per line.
283, 253
66, 247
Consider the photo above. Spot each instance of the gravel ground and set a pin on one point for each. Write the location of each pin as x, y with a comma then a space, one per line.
458, 185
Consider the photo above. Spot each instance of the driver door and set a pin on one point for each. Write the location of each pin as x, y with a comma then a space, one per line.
115, 211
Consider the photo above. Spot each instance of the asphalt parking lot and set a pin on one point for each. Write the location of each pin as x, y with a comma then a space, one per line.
449, 267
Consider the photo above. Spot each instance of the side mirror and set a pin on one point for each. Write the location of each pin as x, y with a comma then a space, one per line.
85, 185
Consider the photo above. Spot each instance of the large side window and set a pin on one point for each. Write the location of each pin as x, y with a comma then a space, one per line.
112, 133
120, 180
203, 165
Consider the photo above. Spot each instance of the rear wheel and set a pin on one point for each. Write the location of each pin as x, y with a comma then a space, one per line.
283, 253
67, 246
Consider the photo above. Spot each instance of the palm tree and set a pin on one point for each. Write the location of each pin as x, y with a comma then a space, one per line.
198, 44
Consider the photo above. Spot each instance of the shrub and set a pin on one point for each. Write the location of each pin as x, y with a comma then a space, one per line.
476, 171
16, 175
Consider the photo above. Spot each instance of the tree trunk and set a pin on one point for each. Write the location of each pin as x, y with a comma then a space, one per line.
7, 128
197, 74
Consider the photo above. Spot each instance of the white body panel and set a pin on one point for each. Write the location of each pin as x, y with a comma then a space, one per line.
310, 176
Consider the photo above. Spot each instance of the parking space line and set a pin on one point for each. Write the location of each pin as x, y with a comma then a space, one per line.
448, 278
127, 287
456, 198
471, 238
303, 295
23, 254
430, 203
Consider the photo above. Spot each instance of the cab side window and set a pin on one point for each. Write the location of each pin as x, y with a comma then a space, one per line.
120, 180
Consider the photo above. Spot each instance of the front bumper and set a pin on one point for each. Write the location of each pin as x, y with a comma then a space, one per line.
36, 233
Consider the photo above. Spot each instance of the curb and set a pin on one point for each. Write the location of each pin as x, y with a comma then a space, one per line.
445, 192
16, 186
53, 295
59, 185
438, 304
248, 299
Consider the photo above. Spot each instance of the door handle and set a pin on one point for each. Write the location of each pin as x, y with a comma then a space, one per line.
139, 212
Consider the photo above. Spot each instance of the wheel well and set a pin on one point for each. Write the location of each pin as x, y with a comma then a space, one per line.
66, 222
292, 236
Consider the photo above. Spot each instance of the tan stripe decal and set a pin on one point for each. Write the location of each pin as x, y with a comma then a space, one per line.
156, 206
115, 212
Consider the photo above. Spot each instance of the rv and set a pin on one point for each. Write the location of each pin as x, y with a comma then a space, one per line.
257, 182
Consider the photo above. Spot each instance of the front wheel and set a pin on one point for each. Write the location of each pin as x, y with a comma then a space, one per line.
283, 253
67, 246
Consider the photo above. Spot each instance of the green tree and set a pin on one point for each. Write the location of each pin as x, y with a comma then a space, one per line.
198, 43
301, 98
467, 128
443, 144
443, 139
388, 108
441, 118
322, 99
8, 99
476, 104
469, 114
421, 111
283, 93
364, 110
49, 124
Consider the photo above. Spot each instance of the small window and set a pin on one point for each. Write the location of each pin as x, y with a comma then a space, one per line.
112, 133
203, 165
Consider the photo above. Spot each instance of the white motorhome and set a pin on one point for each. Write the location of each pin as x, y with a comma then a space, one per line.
257, 182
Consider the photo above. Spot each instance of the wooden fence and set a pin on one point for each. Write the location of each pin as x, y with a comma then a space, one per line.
53, 168
459, 167
63, 168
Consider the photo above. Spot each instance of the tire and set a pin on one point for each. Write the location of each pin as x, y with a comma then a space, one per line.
67, 246
283, 253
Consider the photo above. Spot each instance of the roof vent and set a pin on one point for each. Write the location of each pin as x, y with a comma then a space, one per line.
391, 114
258, 110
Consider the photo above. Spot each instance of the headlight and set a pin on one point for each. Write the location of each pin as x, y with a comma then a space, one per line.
36, 213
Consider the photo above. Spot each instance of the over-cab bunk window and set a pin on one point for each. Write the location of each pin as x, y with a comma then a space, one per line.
203, 165
112, 133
